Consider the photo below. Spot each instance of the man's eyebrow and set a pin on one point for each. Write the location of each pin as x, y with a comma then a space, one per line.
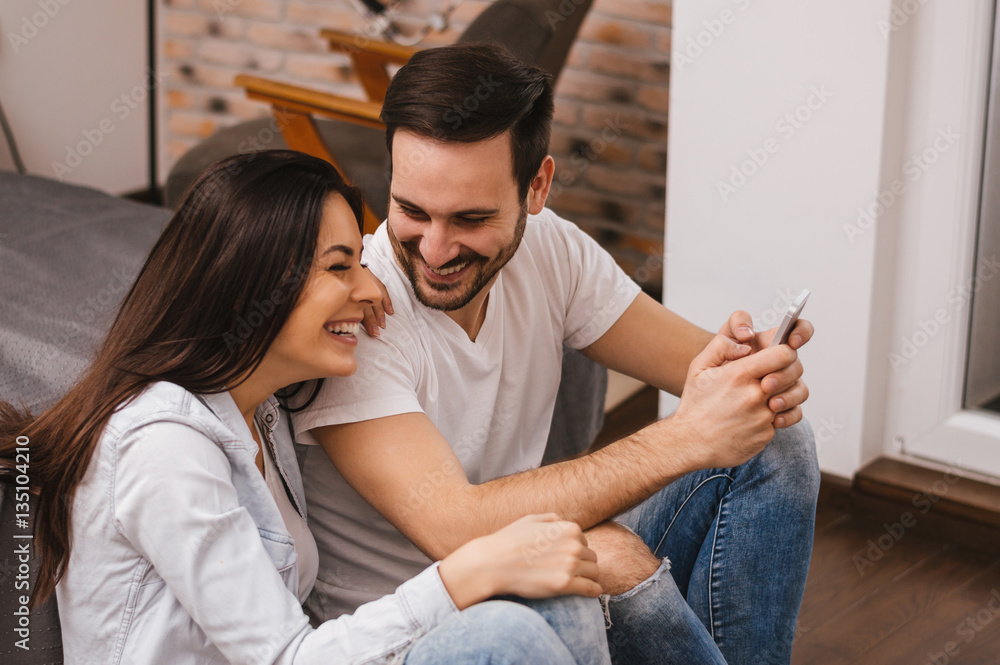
338, 248
470, 212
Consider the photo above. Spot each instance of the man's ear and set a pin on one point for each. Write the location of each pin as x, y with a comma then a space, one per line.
538, 191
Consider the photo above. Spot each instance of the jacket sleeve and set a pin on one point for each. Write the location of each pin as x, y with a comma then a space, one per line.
175, 501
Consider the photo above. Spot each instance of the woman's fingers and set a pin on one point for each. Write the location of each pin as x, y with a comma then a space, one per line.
582, 586
370, 320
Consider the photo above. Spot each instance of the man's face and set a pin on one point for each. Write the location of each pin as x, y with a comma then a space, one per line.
455, 217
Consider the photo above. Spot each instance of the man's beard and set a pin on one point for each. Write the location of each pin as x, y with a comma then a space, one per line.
449, 297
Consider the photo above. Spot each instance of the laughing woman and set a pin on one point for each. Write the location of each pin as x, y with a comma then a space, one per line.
170, 520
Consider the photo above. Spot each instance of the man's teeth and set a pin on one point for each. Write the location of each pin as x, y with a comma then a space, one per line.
344, 328
448, 271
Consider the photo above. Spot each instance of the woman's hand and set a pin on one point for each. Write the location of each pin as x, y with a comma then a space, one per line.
538, 556
374, 316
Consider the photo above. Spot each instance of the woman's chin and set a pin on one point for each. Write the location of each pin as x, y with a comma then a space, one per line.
342, 367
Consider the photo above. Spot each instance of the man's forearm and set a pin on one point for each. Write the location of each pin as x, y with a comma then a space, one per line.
652, 344
586, 490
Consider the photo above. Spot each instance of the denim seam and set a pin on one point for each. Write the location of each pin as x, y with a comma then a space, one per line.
138, 574
681, 509
711, 568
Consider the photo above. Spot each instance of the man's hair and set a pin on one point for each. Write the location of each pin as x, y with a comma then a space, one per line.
473, 92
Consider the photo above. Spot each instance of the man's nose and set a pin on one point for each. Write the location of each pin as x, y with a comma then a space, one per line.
437, 246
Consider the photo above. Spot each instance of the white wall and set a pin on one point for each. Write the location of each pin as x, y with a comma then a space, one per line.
781, 228
70, 72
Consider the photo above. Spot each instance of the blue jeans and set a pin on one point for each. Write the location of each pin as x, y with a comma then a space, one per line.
556, 631
735, 545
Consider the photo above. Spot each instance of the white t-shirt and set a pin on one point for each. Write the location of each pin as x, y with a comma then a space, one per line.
306, 555
491, 399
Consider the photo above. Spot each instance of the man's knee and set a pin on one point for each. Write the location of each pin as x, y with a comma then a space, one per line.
791, 454
624, 559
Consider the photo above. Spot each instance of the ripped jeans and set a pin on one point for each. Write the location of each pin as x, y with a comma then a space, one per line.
735, 545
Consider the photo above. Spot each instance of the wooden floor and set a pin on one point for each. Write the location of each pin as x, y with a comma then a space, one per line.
880, 592
885, 595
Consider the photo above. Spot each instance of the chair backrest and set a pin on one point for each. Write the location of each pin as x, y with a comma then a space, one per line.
539, 32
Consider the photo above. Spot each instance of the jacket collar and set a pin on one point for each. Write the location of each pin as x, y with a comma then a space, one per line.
223, 406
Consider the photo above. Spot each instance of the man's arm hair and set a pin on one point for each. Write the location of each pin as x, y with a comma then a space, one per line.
403, 466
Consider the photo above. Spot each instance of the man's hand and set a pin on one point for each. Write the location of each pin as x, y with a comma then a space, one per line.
739, 328
785, 387
725, 411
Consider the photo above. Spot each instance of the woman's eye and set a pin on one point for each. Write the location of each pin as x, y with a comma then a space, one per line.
340, 267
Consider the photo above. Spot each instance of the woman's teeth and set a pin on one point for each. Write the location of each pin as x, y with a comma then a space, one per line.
344, 328
449, 271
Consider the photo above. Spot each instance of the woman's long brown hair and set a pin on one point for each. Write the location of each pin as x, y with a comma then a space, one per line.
215, 290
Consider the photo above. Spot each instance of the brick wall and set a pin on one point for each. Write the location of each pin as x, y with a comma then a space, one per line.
610, 132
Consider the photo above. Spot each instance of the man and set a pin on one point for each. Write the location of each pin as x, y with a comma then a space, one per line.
443, 428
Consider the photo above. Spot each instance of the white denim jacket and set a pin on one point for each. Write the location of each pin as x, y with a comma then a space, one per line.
179, 553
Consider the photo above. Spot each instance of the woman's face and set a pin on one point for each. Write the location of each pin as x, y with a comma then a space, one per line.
319, 337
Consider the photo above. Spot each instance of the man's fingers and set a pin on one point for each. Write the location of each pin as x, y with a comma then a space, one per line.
789, 399
740, 326
766, 361
801, 333
788, 418
781, 380
720, 350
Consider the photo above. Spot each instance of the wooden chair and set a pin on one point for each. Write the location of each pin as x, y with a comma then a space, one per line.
348, 132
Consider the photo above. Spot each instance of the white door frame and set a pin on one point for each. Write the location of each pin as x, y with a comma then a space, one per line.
947, 91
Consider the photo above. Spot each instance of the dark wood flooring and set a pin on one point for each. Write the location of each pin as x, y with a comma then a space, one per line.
880, 593
881, 589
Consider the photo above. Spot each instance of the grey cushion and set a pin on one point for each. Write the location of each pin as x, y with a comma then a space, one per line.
67, 257
360, 151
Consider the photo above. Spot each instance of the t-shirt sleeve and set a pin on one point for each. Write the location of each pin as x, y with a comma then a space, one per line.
596, 290
385, 384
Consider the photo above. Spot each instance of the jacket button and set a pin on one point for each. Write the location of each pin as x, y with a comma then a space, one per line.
268, 418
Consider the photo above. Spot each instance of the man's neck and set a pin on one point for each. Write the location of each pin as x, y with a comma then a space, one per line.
471, 317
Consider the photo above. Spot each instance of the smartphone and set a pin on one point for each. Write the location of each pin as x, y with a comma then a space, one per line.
789, 319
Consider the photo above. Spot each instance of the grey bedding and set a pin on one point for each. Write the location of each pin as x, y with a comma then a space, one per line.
67, 257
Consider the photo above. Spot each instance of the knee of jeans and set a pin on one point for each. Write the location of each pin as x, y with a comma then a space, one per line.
510, 616
792, 455
515, 627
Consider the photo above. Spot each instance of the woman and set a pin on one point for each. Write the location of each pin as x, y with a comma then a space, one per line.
170, 522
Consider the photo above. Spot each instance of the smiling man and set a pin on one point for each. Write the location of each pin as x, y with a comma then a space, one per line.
702, 522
